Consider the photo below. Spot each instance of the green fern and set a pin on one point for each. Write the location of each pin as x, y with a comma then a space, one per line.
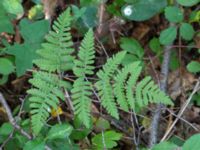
104, 86
122, 86
81, 91
47, 83
55, 53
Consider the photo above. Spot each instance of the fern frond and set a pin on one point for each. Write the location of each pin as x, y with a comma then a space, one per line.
54, 58
122, 89
44, 96
82, 91
147, 91
55, 53
104, 86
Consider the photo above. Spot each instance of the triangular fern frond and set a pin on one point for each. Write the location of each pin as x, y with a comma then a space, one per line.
125, 89
82, 91
44, 97
104, 85
54, 58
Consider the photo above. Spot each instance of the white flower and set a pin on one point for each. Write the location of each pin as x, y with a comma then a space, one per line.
128, 10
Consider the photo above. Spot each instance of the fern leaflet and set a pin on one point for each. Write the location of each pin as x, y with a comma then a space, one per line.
47, 85
81, 91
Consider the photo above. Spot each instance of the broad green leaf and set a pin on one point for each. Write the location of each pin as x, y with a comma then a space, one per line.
106, 140
6, 66
59, 131
6, 129
78, 13
33, 34
165, 146
79, 131
24, 54
13, 7
88, 18
155, 46
132, 46
188, 2
36, 144
102, 124
173, 14
5, 23
168, 36
187, 31
193, 67
143, 9
192, 143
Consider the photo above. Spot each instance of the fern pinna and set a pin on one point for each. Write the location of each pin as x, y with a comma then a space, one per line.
47, 83
122, 86
81, 91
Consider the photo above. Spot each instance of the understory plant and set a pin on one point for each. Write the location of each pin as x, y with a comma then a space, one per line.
116, 85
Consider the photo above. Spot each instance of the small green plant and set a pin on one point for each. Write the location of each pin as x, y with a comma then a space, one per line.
113, 84
47, 83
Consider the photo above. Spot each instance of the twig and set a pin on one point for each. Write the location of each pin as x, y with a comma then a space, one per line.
6, 141
182, 119
196, 88
163, 85
11, 119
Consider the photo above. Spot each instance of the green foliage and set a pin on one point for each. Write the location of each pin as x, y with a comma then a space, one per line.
103, 85
187, 31
165, 145
106, 140
155, 46
33, 34
192, 143
135, 10
81, 91
168, 36
134, 50
173, 14
188, 2
7, 67
35, 144
13, 7
124, 82
59, 131
5, 24
35, 12
85, 17
48, 86
193, 67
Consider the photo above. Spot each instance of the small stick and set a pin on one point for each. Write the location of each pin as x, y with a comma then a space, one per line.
196, 88
11, 119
